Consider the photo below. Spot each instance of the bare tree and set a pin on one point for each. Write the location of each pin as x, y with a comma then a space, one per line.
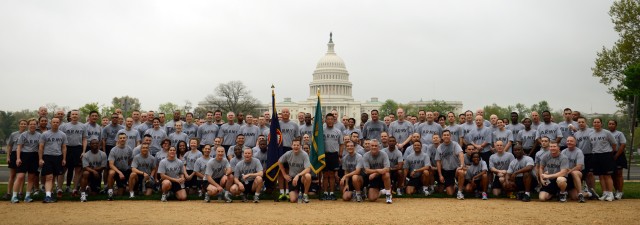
233, 96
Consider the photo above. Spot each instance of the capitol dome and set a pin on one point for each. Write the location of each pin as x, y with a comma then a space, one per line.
331, 77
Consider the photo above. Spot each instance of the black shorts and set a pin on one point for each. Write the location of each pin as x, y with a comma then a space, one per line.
485, 156
621, 162
12, 160
175, 187
588, 164
376, 182
333, 163
520, 184
108, 150
552, 188
247, 187
52, 165
217, 180
496, 183
299, 188
603, 163
394, 176
449, 177
193, 182
94, 181
73, 156
122, 182
29, 162
415, 182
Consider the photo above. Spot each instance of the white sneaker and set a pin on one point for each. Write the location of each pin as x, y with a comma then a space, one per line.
618, 195
83, 197
389, 200
427, 193
460, 196
603, 196
609, 197
163, 198
399, 191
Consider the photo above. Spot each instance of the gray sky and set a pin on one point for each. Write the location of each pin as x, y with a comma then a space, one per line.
478, 52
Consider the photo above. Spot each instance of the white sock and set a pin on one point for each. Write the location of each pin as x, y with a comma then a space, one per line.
330, 193
257, 194
131, 193
286, 191
15, 194
27, 194
110, 191
425, 188
281, 191
48, 194
527, 193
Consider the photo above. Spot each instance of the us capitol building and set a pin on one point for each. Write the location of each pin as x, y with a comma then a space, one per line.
332, 79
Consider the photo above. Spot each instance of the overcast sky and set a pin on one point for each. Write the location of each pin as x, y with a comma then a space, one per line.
479, 52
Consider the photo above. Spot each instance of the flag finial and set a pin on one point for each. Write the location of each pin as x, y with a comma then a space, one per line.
318, 92
273, 92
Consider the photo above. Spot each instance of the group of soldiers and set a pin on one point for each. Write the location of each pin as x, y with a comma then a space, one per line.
459, 155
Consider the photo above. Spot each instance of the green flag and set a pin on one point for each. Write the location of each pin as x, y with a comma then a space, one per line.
316, 155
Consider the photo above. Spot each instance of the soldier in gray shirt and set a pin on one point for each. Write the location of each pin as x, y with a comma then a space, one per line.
143, 169
208, 131
158, 135
527, 138
178, 135
416, 167
334, 147
576, 163
567, 127
519, 176
250, 132
603, 144
450, 161
373, 128
455, 129
299, 176
120, 166
619, 157
77, 145
480, 137
428, 129
548, 129
219, 175
229, 131
260, 152
553, 171
476, 178
52, 154
248, 176
92, 128
133, 136
352, 179
504, 135
171, 171
401, 129
93, 163
376, 167
110, 134
499, 165
307, 127
190, 128
396, 162
515, 127
289, 130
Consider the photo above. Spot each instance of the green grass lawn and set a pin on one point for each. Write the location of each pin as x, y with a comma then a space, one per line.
632, 191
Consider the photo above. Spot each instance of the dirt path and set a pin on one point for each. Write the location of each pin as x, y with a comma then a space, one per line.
402, 211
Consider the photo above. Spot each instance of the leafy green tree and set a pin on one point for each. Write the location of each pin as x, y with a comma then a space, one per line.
126, 104
168, 109
87, 108
611, 62
389, 106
